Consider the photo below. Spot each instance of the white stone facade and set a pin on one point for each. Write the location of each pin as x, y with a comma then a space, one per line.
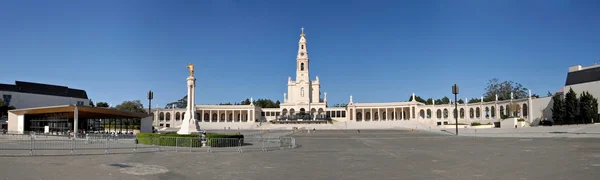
304, 95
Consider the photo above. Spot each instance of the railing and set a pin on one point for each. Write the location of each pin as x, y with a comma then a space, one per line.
23, 144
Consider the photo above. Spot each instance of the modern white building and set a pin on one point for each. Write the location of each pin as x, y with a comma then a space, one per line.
29, 95
304, 104
584, 79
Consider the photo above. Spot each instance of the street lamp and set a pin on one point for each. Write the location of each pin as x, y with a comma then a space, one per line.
150, 97
455, 92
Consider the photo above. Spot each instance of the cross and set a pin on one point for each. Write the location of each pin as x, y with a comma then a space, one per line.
302, 30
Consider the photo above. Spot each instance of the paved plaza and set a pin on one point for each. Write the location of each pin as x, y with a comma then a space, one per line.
372, 154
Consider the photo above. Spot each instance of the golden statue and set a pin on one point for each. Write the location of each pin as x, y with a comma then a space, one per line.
191, 67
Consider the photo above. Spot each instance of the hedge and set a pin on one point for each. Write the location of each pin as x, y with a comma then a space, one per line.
190, 140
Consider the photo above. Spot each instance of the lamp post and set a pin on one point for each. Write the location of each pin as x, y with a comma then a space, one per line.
150, 97
455, 92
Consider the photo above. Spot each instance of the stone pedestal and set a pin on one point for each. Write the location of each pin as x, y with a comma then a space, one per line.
189, 124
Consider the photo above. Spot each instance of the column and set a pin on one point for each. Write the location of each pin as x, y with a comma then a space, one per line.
210, 115
402, 117
394, 115
378, 115
75, 120
218, 116
248, 115
371, 112
387, 115
362, 112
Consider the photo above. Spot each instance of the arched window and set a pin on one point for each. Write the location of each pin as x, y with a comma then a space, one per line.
428, 113
487, 112
446, 113
206, 117
462, 113
301, 66
376, 116
384, 116
222, 117
477, 112
214, 117
182, 115
284, 112
493, 111
230, 117
177, 116
525, 113
439, 114
471, 113
358, 116
168, 116
161, 116
368, 116
502, 111
422, 114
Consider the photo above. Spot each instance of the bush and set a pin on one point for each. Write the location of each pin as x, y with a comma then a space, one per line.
190, 140
520, 119
475, 124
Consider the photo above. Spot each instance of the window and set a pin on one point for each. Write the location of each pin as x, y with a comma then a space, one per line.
161, 125
168, 125
262, 114
301, 66
80, 103
302, 46
7, 98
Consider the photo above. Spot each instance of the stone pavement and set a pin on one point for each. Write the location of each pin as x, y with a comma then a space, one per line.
567, 131
372, 154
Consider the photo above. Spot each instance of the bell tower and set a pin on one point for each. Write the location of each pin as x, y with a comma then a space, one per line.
302, 61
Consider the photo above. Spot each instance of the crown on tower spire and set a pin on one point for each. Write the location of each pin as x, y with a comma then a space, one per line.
302, 35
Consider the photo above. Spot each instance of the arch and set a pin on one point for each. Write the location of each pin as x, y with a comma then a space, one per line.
413, 112
525, 108
168, 116
198, 116
320, 111
292, 111
477, 112
439, 114
182, 115
502, 111
487, 112
508, 110
384, 115
493, 114
471, 113
177, 116
367, 116
222, 117
239, 117
358, 116
422, 114
214, 117
428, 113
462, 113
375, 116
206, 117
284, 112
301, 66
313, 111
302, 111
161, 116
446, 113
230, 117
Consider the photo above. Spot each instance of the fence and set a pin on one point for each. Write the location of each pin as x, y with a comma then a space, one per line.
21, 144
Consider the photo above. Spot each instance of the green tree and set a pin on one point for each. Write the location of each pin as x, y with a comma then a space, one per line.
588, 106
535, 96
570, 106
265, 103
474, 100
503, 90
445, 100
131, 106
460, 101
549, 94
245, 102
418, 99
91, 103
429, 101
181, 103
558, 109
102, 104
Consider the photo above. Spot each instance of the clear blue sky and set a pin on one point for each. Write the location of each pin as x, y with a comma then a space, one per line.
377, 51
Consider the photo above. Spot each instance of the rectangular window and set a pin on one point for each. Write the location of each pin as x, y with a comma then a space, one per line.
439, 123
161, 125
302, 46
6, 98
168, 125
343, 113
328, 113
262, 114
80, 103
337, 114
277, 114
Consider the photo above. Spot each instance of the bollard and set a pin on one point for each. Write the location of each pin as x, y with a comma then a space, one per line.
72, 146
31, 144
240, 145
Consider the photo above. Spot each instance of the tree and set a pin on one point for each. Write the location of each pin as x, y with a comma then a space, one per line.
265, 103
535, 96
460, 101
91, 103
245, 102
515, 109
588, 106
503, 90
4, 110
445, 100
131, 106
549, 94
429, 101
101, 104
417, 98
558, 109
181, 103
474, 100
570, 106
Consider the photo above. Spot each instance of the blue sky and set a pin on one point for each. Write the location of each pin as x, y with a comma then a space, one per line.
377, 51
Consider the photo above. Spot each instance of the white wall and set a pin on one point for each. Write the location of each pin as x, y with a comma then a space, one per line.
541, 108
27, 100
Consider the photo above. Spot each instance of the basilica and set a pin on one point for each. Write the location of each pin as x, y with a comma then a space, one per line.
305, 106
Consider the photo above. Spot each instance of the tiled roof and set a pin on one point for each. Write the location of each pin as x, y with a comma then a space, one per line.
45, 89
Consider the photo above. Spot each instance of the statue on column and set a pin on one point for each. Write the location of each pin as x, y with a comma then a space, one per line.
350, 99
191, 68
284, 95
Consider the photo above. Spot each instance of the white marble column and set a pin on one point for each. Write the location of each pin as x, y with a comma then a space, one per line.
394, 115
387, 115
402, 117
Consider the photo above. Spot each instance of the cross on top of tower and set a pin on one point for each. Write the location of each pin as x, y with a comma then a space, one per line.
302, 32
